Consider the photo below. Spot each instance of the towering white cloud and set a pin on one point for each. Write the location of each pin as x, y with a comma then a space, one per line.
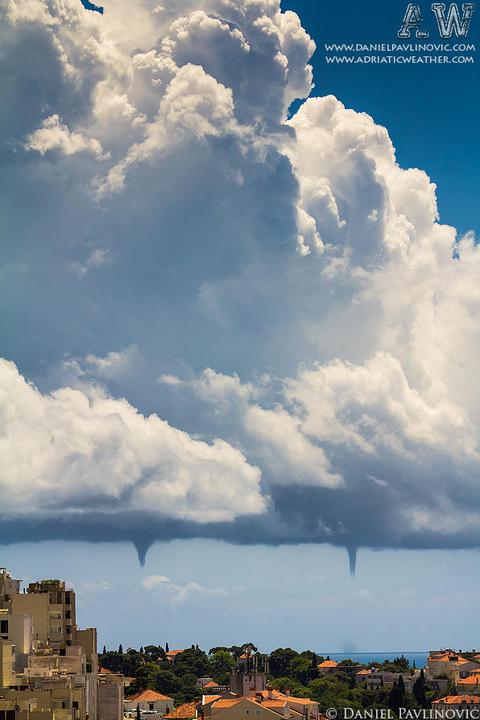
76, 451
164, 216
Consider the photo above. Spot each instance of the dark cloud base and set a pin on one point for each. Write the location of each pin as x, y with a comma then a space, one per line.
143, 530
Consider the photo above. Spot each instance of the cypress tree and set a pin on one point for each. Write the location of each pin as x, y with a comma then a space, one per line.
419, 690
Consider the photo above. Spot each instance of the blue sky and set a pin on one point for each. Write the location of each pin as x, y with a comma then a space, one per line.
299, 597
236, 334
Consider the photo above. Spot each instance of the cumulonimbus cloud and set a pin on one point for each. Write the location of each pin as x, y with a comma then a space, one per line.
239, 325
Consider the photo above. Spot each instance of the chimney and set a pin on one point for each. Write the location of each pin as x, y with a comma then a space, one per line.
287, 692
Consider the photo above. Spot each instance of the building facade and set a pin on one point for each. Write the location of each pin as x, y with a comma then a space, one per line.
48, 666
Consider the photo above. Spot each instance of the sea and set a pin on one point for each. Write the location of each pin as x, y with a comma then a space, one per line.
419, 658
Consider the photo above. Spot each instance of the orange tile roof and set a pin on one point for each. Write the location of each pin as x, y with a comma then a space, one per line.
208, 699
185, 711
210, 684
172, 653
470, 680
458, 700
365, 671
448, 657
277, 695
227, 702
328, 664
301, 701
147, 696
105, 671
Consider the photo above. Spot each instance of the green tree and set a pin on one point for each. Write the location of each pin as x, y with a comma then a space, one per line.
193, 661
167, 682
419, 690
154, 653
289, 683
299, 668
221, 664
147, 676
280, 660
188, 689
396, 699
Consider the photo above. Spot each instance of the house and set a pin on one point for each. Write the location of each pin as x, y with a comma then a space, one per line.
149, 701
239, 708
208, 685
457, 702
373, 678
469, 685
327, 666
202, 681
275, 699
187, 711
449, 664
172, 654
363, 675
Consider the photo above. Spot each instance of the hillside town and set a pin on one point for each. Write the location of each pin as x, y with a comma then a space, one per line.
51, 670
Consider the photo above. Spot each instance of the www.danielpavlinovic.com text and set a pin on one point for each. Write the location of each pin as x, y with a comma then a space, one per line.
400, 53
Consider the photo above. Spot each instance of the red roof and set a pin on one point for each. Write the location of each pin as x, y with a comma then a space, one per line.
185, 711
470, 680
147, 696
458, 700
448, 657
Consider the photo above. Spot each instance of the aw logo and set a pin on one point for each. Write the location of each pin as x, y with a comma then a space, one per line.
448, 23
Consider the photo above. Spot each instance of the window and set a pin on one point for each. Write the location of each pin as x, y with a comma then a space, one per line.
151, 706
4, 627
